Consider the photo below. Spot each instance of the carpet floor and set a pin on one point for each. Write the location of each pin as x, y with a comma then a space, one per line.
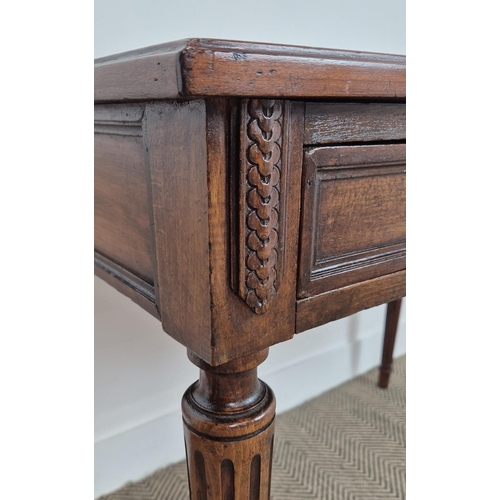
346, 444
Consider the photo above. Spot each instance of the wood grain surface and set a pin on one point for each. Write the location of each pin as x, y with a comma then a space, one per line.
246, 192
336, 304
328, 123
205, 67
178, 160
236, 329
229, 430
122, 223
353, 215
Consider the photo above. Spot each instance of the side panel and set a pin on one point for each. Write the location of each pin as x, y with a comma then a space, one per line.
124, 241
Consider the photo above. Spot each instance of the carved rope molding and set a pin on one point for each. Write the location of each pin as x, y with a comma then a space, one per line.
261, 142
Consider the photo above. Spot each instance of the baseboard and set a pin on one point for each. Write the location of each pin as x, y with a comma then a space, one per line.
139, 451
313, 375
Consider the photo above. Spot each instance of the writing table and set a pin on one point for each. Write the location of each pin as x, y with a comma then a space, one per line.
244, 193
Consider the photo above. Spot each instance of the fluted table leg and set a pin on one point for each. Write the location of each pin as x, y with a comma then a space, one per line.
229, 429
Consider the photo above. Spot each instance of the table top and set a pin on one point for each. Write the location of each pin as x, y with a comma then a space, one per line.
208, 67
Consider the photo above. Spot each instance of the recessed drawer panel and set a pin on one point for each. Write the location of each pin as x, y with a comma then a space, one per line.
353, 215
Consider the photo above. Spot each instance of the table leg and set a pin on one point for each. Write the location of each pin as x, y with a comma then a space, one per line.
229, 429
391, 326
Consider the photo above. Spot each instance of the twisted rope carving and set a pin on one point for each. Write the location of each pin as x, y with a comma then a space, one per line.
263, 178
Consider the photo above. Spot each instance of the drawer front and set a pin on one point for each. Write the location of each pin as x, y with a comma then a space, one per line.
353, 216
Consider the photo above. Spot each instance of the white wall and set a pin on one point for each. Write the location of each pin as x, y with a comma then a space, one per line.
140, 372
344, 24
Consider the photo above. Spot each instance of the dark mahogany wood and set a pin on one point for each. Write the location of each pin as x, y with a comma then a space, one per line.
391, 327
353, 204
127, 283
121, 179
229, 429
230, 311
177, 150
337, 304
340, 122
246, 192
203, 67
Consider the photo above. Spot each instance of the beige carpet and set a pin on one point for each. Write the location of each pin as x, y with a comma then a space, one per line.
347, 444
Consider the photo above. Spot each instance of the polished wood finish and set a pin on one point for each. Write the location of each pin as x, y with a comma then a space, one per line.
127, 283
177, 156
219, 68
336, 304
244, 193
340, 122
391, 327
262, 175
121, 182
151, 73
229, 429
230, 313
353, 205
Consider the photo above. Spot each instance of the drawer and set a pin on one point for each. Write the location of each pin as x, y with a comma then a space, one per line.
353, 216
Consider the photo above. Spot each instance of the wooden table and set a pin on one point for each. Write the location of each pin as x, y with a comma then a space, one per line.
244, 193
